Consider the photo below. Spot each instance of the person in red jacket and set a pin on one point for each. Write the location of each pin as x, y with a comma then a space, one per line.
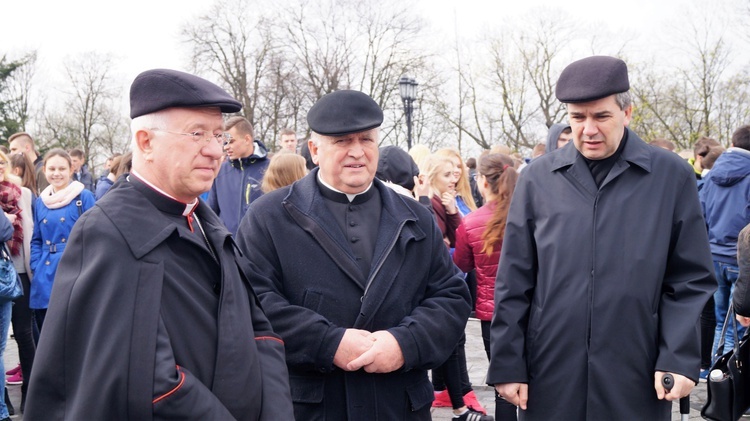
479, 239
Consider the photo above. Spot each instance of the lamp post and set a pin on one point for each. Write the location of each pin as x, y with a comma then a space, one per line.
407, 88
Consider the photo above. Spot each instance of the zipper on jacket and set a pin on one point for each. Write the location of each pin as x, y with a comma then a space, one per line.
590, 315
385, 256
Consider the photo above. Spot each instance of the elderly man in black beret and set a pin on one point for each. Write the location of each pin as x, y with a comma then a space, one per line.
605, 267
151, 314
356, 278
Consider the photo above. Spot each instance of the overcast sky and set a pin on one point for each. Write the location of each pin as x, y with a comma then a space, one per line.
144, 34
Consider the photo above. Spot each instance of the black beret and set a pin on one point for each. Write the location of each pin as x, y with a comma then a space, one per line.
396, 166
158, 89
592, 78
344, 112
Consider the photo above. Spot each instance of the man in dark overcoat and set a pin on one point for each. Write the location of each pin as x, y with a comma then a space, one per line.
357, 280
604, 270
152, 315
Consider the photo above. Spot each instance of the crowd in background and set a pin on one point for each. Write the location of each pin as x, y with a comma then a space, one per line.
469, 199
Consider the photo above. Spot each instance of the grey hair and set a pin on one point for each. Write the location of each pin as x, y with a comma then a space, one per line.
145, 122
623, 100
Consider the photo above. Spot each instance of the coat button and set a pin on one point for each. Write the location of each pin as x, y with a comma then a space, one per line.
355, 239
49, 242
62, 219
44, 221
62, 240
352, 223
47, 263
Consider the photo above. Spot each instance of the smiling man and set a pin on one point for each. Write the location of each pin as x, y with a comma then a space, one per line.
605, 267
151, 302
357, 280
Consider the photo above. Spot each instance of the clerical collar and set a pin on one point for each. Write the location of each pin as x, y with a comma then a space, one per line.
173, 205
329, 192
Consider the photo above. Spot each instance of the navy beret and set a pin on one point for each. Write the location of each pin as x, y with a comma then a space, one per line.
158, 89
344, 112
592, 78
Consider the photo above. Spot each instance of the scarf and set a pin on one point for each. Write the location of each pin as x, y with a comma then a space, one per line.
59, 199
10, 194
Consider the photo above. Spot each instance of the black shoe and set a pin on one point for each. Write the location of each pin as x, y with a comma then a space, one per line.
11, 410
472, 415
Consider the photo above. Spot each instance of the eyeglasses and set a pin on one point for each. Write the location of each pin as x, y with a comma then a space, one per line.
202, 135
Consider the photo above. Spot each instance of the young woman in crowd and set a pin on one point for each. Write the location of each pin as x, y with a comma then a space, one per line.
464, 200
22, 167
105, 183
284, 169
17, 197
56, 209
10, 201
479, 239
441, 172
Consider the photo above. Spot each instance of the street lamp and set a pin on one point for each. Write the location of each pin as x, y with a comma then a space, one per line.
407, 88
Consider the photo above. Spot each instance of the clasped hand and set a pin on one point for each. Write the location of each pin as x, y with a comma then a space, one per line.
375, 352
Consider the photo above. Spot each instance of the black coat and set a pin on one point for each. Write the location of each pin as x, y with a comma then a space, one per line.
597, 288
312, 290
104, 352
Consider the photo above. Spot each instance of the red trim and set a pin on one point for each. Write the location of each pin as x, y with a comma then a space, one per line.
269, 338
179, 385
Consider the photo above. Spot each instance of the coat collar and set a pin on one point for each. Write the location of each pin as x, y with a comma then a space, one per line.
154, 227
636, 152
305, 194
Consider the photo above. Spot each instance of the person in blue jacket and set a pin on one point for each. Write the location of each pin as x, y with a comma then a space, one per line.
725, 197
56, 209
239, 180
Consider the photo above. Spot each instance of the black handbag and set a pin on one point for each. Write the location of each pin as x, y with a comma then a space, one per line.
729, 397
10, 284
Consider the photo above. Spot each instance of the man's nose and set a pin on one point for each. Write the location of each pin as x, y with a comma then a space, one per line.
589, 128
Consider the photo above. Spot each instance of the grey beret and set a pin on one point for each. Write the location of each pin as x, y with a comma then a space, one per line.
158, 89
592, 78
344, 112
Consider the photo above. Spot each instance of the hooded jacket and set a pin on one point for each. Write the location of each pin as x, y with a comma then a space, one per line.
725, 198
554, 133
237, 185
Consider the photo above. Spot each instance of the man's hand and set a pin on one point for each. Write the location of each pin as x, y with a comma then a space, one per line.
352, 345
744, 321
384, 356
515, 393
682, 386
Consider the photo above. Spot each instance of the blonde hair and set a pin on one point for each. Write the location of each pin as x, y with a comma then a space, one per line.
419, 154
7, 174
284, 169
463, 188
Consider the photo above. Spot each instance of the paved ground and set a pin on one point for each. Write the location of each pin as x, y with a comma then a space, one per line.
476, 361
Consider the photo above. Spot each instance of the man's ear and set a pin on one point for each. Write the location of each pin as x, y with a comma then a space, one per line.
143, 141
313, 151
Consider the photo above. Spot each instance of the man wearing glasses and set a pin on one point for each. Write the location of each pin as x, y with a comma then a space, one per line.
240, 176
158, 321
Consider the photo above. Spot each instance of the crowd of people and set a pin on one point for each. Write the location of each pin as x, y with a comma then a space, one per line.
202, 276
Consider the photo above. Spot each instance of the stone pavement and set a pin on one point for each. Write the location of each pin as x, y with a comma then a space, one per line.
476, 362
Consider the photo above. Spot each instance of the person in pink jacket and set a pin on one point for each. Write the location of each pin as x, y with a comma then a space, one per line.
479, 240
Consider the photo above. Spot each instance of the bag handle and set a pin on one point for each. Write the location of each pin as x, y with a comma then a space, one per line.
719, 349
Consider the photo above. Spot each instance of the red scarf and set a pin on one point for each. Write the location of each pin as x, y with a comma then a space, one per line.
10, 194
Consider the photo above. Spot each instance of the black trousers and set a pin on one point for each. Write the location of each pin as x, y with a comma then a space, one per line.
22, 320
